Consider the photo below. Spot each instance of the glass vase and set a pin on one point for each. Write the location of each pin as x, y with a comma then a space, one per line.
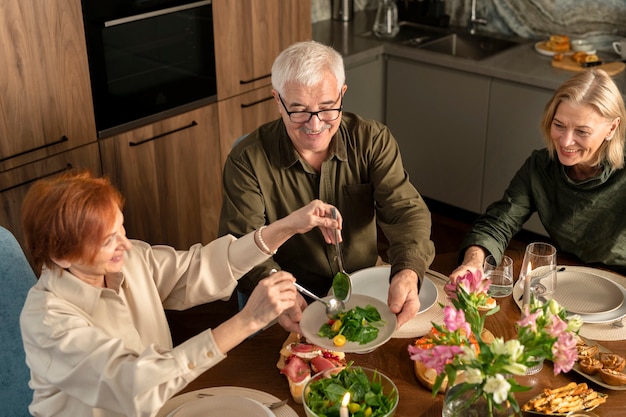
465, 405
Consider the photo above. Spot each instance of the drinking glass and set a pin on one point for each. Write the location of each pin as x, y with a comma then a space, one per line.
386, 22
501, 275
539, 268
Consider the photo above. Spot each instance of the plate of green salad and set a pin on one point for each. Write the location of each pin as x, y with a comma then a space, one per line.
366, 324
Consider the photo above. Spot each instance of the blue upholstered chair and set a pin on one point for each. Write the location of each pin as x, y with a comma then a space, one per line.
16, 278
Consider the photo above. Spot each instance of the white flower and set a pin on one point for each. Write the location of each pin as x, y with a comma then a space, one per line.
498, 387
514, 349
553, 307
468, 355
497, 346
575, 323
473, 376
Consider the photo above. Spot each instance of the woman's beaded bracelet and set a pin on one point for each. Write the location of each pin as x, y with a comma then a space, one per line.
264, 246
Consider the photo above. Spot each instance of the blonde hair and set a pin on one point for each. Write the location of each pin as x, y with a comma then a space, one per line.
596, 89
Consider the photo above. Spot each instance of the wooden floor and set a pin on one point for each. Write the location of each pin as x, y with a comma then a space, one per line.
449, 226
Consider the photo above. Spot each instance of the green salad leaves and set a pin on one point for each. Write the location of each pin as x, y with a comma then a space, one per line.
357, 325
367, 398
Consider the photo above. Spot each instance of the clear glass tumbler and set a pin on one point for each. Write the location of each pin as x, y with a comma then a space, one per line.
501, 275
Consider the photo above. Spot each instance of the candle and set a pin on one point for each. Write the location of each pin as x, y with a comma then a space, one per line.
526, 299
343, 411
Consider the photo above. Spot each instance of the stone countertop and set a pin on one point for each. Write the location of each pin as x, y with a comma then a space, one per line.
520, 64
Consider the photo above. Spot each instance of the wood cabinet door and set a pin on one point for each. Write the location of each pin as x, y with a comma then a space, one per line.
249, 34
242, 114
14, 183
45, 104
170, 174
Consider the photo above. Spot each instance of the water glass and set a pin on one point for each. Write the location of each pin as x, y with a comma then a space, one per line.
539, 268
501, 275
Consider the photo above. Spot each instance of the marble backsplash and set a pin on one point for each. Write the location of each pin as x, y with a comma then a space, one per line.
599, 21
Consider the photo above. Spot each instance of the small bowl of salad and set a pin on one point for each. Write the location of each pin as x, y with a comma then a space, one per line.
372, 394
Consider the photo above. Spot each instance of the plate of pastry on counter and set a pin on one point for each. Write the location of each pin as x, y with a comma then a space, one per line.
556, 44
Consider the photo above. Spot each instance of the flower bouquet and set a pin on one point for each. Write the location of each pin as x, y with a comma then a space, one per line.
489, 368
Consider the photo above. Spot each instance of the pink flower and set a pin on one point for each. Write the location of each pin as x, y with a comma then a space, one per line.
436, 357
557, 326
473, 282
529, 319
565, 353
455, 319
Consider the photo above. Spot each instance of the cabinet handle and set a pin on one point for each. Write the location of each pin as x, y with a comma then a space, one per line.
254, 103
50, 174
47, 145
141, 142
242, 82
143, 16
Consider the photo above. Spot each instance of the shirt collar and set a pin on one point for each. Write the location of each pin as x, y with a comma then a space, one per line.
289, 155
67, 286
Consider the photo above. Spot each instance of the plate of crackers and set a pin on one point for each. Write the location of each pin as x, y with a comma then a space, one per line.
562, 400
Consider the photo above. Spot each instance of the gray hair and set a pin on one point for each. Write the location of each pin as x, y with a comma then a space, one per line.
305, 63
593, 88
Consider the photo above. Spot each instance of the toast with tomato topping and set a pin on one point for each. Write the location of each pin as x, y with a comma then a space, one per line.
300, 360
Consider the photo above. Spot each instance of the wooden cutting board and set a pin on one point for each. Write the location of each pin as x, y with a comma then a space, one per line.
567, 63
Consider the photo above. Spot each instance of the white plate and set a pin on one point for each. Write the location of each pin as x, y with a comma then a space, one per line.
543, 49
587, 293
222, 405
586, 318
374, 282
596, 378
314, 316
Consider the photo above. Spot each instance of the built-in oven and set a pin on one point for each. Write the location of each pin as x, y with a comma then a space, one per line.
148, 59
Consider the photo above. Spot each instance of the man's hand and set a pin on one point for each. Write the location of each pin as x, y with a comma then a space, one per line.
403, 297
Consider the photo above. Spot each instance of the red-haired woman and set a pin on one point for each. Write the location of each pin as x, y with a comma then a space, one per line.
95, 333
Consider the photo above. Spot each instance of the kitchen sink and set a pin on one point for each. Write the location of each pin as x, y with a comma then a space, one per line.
453, 42
465, 45
411, 34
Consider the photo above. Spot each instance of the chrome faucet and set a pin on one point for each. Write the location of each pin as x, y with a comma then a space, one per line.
474, 21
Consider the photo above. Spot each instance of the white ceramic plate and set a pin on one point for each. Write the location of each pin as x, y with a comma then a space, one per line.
587, 293
543, 49
314, 316
600, 318
222, 405
374, 282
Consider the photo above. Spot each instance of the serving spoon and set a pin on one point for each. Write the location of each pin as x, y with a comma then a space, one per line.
333, 306
342, 284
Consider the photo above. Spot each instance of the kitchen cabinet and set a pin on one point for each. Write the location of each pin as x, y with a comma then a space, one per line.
249, 34
14, 183
45, 104
366, 88
242, 114
513, 132
170, 174
439, 118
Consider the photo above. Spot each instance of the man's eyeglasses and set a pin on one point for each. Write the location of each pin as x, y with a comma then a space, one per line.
326, 115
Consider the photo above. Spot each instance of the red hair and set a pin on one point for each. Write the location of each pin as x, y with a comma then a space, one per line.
68, 216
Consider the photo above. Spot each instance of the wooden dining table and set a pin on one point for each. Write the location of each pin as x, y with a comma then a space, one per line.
253, 363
